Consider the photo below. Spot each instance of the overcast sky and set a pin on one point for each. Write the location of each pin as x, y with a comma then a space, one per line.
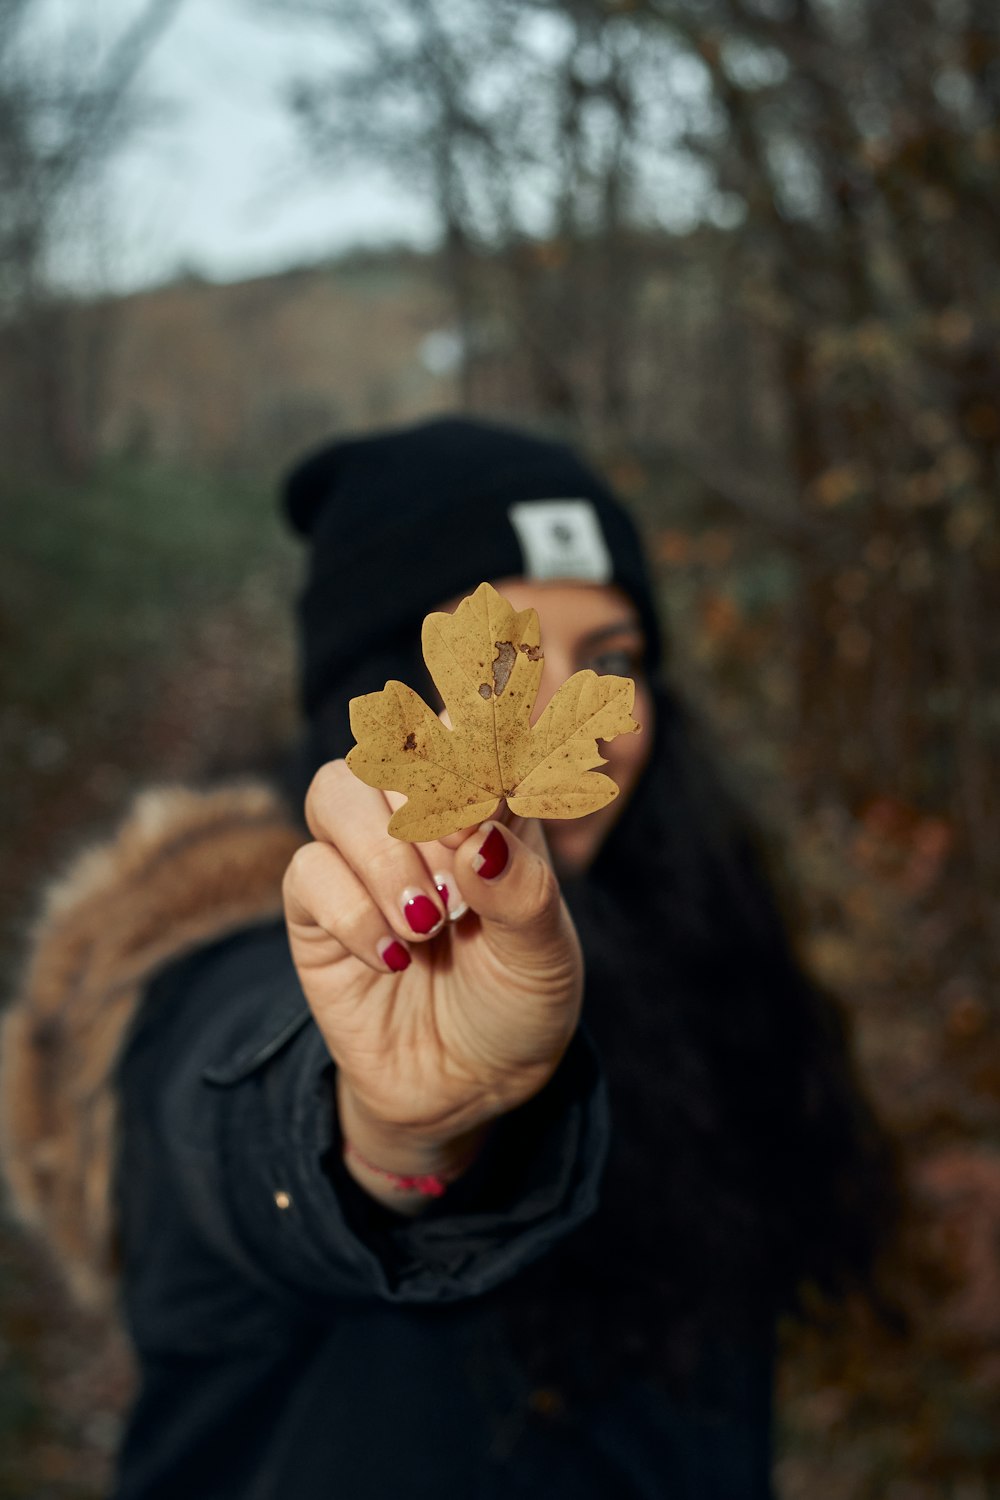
219, 184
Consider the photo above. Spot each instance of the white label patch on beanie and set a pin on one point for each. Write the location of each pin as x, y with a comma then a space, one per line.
561, 539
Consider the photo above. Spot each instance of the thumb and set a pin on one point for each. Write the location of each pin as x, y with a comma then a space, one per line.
508, 881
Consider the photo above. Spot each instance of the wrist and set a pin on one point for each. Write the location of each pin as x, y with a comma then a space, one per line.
402, 1167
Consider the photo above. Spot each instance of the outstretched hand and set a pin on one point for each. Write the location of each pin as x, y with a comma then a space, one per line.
437, 1025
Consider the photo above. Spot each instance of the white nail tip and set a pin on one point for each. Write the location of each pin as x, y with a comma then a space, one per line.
448, 881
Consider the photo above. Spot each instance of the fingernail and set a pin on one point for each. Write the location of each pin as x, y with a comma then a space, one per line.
493, 854
441, 885
420, 912
393, 954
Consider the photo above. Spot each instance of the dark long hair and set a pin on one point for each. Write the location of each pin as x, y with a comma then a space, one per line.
748, 1172
746, 1164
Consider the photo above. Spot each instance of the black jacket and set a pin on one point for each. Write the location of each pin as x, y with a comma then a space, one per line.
296, 1340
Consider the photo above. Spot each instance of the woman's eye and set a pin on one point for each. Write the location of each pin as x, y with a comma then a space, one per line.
619, 663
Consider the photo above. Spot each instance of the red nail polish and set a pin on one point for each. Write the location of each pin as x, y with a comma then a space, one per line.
394, 955
420, 912
444, 891
493, 855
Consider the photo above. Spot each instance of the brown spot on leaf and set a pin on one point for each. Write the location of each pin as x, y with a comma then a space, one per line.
485, 691
410, 743
503, 665
533, 653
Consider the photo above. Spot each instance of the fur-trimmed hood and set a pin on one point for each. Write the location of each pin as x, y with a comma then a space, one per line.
184, 869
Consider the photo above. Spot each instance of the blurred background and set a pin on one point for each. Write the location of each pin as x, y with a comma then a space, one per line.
744, 252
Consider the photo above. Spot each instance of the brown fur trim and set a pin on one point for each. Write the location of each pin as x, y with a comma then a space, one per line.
184, 869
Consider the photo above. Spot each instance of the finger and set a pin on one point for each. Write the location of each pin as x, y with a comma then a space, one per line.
530, 830
330, 914
439, 860
502, 814
353, 817
509, 882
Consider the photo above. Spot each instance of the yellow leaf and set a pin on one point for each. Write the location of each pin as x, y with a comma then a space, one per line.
486, 660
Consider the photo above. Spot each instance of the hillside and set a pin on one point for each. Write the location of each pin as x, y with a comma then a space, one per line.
223, 376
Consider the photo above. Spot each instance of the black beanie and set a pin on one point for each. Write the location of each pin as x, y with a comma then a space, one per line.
402, 521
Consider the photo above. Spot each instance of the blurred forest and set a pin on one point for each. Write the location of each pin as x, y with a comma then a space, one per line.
743, 251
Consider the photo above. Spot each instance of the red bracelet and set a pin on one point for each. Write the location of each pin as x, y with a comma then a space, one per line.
428, 1185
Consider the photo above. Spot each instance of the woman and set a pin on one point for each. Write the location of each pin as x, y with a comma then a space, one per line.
380, 1232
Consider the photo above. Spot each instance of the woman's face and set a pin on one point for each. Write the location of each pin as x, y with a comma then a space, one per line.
589, 625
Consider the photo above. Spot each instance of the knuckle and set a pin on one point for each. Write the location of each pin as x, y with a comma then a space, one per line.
388, 867
540, 890
299, 867
351, 918
338, 906
326, 788
303, 873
